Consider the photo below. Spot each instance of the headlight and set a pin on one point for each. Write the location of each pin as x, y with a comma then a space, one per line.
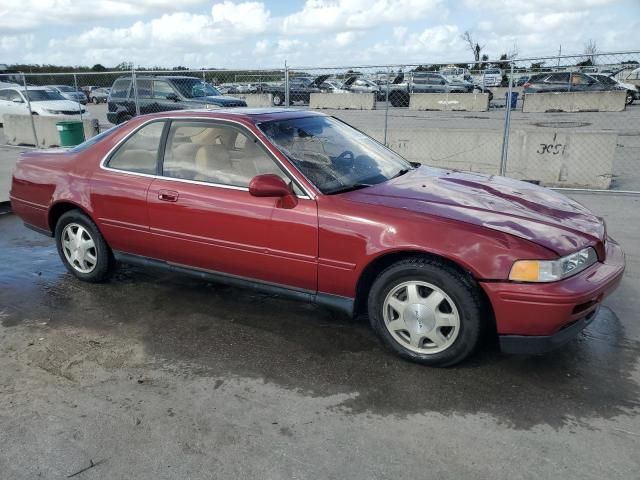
53, 112
552, 270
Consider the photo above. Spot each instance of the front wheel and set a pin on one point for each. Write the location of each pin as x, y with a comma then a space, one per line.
95, 100
277, 99
82, 248
630, 98
426, 312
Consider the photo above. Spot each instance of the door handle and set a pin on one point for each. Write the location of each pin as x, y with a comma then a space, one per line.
168, 196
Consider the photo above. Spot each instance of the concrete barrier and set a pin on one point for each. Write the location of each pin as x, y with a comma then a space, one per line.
343, 101
256, 99
8, 159
17, 129
554, 158
469, 102
612, 101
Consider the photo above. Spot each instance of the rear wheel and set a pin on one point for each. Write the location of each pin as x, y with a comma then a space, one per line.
630, 98
277, 99
82, 248
123, 117
426, 312
95, 100
399, 98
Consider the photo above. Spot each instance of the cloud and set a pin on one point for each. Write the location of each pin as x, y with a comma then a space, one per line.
335, 15
248, 17
31, 14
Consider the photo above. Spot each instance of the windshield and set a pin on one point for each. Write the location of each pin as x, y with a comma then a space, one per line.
194, 88
492, 72
64, 88
43, 95
332, 155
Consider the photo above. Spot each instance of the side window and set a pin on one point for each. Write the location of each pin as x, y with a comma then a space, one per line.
215, 153
120, 88
140, 152
161, 89
558, 78
10, 95
144, 88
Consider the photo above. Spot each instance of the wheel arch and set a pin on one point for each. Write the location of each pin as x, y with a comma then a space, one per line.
381, 262
60, 208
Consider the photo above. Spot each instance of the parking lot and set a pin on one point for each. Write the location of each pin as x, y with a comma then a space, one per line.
155, 375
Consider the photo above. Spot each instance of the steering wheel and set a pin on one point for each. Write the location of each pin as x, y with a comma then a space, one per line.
344, 160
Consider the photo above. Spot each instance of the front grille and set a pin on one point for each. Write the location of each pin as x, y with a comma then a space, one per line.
69, 112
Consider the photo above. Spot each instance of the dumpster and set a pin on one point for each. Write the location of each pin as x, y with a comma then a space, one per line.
514, 99
71, 133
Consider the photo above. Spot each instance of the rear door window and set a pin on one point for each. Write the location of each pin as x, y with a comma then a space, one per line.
120, 88
139, 153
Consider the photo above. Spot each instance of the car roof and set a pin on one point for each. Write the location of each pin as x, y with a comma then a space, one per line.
253, 115
21, 88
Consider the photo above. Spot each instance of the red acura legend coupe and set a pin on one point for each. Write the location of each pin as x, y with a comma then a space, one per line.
298, 203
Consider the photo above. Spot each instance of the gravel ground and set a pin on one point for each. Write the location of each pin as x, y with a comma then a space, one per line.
155, 376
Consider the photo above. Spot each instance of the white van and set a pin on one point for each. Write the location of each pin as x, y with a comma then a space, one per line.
492, 77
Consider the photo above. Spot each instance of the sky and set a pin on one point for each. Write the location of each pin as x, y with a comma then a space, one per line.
256, 34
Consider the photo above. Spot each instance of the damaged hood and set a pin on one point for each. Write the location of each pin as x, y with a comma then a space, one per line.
534, 213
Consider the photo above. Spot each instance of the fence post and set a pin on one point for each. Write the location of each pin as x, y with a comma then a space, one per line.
75, 83
134, 83
507, 126
286, 84
26, 95
386, 108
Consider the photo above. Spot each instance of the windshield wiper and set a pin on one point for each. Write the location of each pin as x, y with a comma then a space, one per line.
400, 173
349, 188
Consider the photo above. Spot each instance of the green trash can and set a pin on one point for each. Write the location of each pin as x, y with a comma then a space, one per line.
71, 133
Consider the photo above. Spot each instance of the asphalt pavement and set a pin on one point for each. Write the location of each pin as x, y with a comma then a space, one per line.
157, 376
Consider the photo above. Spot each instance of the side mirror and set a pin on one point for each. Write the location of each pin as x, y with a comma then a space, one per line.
172, 96
271, 185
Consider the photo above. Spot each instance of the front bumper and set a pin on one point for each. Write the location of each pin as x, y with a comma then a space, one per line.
535, 317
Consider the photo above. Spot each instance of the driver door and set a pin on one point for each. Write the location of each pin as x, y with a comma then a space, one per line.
202, 215
12, 103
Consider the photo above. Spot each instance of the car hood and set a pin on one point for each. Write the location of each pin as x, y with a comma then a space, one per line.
534, 213
56, 104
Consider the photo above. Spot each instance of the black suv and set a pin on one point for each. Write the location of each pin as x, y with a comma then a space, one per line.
161, 94
563, 82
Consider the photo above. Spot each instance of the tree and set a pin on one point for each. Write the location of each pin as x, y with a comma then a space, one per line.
474, 46
98, 67
590, 50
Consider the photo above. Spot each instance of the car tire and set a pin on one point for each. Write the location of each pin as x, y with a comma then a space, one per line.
82, 248
630, 98
399, 99
95, 100
123, 117
277, 99
427, 312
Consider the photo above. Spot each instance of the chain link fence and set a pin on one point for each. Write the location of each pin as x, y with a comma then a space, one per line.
574, 121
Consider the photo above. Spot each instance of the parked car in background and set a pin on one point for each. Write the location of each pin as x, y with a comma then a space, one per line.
492, 77
332, 86
630, 89
358, 84
163, 93
522, 79
99, 95
69, 93
455, 74
563, 82
302, 205
300, 89
43, 101
87, 89
427, 82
